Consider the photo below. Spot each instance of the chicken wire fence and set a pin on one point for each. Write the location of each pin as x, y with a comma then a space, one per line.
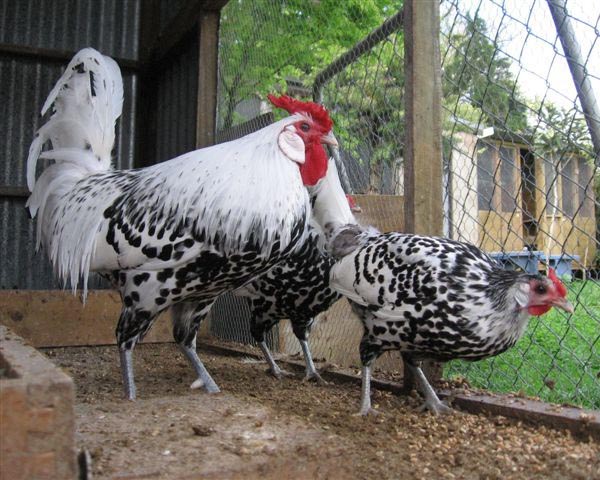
521, 179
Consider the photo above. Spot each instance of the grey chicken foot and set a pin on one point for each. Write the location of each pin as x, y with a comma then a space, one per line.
432, 401
273, 369
126, 356
311, 371
365, 393
204, 379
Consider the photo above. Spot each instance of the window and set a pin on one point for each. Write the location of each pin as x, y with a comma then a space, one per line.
485, 175
585, 188
551, 186
569, 189
568, 178
496, 166
508, 179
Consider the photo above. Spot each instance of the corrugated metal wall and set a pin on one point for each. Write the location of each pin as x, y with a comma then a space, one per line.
110, 26
174, 104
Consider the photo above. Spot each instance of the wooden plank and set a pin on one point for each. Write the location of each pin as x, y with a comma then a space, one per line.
384, 212
62, 56
53, 318
13, 191
423, 153
423, 206
206, 113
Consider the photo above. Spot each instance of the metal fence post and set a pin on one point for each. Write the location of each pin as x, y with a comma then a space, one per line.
566, 33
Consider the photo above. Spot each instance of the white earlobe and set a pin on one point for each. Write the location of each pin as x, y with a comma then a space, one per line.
291, 145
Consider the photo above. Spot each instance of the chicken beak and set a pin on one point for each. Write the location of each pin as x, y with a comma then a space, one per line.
563, 304
329, 139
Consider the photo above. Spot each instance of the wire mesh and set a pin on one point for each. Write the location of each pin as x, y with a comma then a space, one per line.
273, 46
521, 174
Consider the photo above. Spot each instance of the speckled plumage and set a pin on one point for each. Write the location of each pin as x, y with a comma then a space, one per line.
435, 298
297, 288
195, 226
432, 297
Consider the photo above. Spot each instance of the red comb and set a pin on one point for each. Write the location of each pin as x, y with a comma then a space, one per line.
351, 201
560, 287
316, 111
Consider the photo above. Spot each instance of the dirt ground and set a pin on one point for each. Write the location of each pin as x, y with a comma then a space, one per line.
260, 427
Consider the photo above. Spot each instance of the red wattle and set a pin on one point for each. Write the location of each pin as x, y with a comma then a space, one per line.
538, 310
315, 166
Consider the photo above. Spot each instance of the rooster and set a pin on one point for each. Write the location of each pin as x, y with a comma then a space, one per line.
297, 288
193, 227
430, 297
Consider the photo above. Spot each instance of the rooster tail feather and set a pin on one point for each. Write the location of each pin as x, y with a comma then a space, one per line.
86, 102
77, 140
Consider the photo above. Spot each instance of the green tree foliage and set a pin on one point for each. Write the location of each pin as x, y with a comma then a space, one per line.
368, 106
561, 131
478, 74
263, 42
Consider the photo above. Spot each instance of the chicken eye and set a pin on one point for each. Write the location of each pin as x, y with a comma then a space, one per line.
305, 127
540, 289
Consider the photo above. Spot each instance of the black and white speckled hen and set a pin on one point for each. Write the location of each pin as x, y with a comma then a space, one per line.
192, 227
434, 298
297, 288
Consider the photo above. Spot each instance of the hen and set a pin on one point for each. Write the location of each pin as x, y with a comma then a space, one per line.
430, 297
297, 288
192, 227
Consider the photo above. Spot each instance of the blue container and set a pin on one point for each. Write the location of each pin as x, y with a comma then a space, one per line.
526, 260
562, 263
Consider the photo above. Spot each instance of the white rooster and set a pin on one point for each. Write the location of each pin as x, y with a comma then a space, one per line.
192, 227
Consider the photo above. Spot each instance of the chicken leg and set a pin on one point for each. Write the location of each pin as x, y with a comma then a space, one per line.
311, 371
204, 379
126, 356
273, 367
365, 393
432, 401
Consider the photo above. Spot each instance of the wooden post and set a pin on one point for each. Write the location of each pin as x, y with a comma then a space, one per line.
423, 212
423, 207
206, 113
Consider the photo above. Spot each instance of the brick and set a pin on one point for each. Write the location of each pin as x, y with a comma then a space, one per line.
13, 415
42, 466
13, 466
42, 420
37, 424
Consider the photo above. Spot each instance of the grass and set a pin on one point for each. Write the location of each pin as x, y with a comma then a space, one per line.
557, 360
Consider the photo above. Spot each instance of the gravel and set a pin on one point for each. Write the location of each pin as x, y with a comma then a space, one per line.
260, 427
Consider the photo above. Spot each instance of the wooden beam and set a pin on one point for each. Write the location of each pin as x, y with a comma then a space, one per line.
184, 21
12, 191
60, 56
53, 318
423, 207
206, 112
423, 151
